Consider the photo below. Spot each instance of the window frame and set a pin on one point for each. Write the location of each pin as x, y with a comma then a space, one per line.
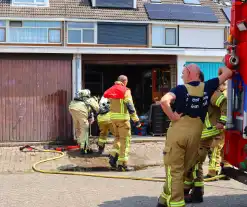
27, 4
155, 1
164, 35
40, 43
171, 28
191, 3
94, 29
4, 28
51, 28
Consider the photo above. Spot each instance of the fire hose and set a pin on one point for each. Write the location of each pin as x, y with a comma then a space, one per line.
62, 154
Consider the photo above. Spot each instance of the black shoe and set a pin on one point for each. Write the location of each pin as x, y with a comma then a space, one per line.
113, 161
225, 178
124, 168
161, 205
86, 151
101, 149
187, 196
197, 195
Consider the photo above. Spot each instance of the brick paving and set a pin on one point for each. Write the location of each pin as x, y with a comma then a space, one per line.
14, 161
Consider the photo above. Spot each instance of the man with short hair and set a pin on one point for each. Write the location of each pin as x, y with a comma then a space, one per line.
191, 102
121, 111
213, 127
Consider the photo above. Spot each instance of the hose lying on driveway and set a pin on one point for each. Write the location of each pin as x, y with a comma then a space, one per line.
62, 154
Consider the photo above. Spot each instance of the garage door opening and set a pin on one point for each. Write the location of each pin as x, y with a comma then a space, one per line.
147, 82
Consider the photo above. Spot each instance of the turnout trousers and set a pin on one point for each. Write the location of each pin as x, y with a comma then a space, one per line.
194, 178
181, 149
81, 125
217, 156
104, 127
121, 144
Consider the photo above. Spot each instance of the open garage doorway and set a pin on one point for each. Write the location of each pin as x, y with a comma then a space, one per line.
99, 78
150, 77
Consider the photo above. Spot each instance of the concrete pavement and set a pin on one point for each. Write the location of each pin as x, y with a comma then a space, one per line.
21, 187
40, 190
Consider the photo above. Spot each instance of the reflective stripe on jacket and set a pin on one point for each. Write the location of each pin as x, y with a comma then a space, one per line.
123, 109
104, 117
216, 114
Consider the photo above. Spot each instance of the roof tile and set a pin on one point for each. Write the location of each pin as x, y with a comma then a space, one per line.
81, 9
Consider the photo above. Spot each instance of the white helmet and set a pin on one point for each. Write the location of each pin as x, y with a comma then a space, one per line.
84, 93
104, 105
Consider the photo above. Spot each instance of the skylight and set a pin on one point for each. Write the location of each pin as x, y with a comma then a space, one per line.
192, 2
30, 2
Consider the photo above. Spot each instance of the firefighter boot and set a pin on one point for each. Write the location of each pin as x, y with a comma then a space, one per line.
86, 150
197, 195
101, 148
160, 201
161, 205
113, 161
124, 168
187, 196
223, 166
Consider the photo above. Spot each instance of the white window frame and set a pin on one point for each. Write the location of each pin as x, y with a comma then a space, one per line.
167, 27
27, 4
193, 3
176, 38
40, 43
5, 29
95, 29
155, 1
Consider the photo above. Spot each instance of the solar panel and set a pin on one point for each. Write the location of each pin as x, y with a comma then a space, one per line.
227, 13
180, 12
115, 3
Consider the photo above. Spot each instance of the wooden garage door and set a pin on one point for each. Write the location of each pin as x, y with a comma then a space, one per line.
34, 97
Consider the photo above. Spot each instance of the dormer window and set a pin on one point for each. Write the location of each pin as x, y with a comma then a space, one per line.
117, 4
38, 3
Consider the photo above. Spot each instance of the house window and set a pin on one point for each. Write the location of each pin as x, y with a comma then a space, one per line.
34, 32
2, 31
155, 1
192, 2
163, 36
30, 2
170, 36
81, 33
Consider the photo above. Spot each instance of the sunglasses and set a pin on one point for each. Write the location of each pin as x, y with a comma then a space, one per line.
186, 67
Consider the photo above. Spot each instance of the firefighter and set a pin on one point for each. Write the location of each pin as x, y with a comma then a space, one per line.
217, 155
82, 109
191, 102
104, 122
213, 125
121, 110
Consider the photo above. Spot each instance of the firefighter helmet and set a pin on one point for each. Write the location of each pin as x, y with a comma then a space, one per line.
84, 93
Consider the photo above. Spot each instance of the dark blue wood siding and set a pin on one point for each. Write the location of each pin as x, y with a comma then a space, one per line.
122, 34
115, 3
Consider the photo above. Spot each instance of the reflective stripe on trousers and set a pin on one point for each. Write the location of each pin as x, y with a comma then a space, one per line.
168, 197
